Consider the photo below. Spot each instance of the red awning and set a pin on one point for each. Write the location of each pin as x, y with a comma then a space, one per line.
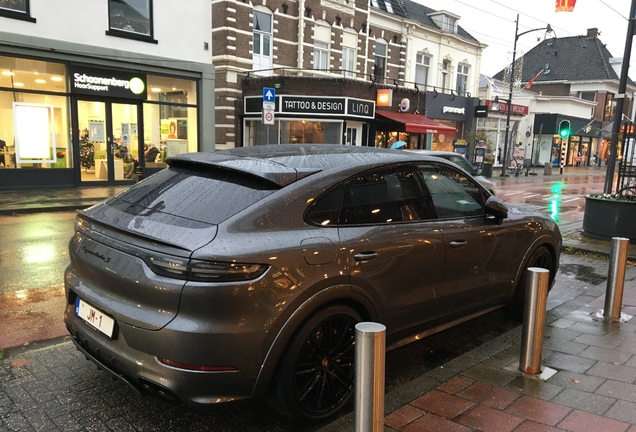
417, 123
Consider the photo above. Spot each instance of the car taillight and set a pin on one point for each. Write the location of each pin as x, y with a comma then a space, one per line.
203, 271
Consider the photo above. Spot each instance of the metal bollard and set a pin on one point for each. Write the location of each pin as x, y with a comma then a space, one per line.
616, 278
369, 387
534, 320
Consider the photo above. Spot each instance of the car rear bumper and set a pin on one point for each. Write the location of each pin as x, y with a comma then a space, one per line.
147, 376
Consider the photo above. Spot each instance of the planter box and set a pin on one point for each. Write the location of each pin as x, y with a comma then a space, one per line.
604, 219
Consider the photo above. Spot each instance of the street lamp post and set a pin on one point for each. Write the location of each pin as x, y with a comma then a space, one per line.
548, 29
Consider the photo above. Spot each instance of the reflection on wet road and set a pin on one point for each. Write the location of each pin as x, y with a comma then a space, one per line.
561, 197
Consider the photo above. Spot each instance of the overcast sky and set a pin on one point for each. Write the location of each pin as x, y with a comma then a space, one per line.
492, 22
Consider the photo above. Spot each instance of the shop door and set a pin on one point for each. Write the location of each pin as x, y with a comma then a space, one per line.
353, 133
108, 141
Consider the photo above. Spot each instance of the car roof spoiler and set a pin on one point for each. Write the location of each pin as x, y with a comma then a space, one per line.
267, 169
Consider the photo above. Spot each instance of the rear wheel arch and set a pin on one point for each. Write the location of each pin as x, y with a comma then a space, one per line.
337, 295
544, 256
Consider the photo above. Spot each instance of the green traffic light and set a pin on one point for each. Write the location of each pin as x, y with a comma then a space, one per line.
564, 128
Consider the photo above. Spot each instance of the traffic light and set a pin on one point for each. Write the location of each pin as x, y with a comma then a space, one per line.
564, 128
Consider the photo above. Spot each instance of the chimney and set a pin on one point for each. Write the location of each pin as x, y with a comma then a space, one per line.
592, 33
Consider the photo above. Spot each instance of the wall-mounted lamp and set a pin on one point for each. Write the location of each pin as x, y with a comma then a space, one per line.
307, 12
338, 19
453, 94
395, 38
363, 26
435, 91
285, 6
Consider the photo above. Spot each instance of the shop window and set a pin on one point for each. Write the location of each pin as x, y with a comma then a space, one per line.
18, 9
262, 42
321, 55
131, 19
34, 131
462, 78
422, 64
293, 132
27, 74
170, 119
379, 67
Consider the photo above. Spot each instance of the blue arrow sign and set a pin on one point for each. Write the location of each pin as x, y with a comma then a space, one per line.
269, 94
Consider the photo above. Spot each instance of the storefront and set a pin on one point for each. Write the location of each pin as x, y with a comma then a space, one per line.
583, 147
452, 111
298, 119
69, 124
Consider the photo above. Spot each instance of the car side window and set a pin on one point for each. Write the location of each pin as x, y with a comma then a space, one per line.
326, 209
383, 197
453, 194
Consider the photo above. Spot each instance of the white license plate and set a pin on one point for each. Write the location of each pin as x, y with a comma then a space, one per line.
94, 317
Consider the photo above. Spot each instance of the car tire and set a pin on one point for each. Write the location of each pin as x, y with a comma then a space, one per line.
542, 258
315, 376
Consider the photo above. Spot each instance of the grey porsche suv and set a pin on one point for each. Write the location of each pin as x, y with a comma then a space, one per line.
242, 273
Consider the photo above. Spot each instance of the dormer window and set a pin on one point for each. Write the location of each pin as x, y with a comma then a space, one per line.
446, 21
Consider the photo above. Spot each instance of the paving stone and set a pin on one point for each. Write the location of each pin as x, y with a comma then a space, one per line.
568, 362
403, 416
456, 384
618, 390
530, 426
442, 404
584, 401
613, 371
490, 375
623, 411
489, 396
579, 421
564, 346
538, 410
533, 387
611, 340
591, 328
433, 423
576, 381
484, 418
605, 355
561, 333
627, 346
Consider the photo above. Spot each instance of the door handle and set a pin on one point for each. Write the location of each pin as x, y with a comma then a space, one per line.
365, 257
458, 243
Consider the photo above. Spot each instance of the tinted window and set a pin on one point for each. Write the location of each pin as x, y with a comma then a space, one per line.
209, 196
382, 197
453, 194
326, 209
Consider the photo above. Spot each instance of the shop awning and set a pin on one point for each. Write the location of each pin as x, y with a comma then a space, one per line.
417, 123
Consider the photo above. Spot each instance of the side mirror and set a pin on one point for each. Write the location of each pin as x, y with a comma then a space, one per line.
496, 207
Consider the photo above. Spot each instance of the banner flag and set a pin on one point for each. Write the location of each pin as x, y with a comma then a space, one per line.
565, 5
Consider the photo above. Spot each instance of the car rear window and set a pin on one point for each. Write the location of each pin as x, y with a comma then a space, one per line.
209, 195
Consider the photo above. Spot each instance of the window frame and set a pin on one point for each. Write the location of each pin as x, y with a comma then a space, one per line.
463, 71
422, 65
321, 55
19, 15
445, 73
349, 58
116, 32
261, 33
383, 58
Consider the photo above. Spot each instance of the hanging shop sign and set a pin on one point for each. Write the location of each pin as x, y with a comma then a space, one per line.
314, 106
109, 83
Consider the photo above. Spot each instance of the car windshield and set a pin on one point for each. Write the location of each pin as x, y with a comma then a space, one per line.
207, 195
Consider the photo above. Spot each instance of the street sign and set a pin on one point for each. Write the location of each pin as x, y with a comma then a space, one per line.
268, 117
269, 94
269, 106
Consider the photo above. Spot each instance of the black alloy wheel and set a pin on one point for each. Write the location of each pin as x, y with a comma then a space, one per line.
315, 378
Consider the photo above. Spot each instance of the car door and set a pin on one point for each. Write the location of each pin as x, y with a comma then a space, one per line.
393, 248
479, 251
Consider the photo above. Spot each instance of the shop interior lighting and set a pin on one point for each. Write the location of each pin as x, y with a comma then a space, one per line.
40, 81
18, 84
56, 78
155, 89
7, 73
